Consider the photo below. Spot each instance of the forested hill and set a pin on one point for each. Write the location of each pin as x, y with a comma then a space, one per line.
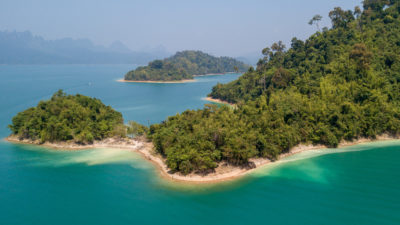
360, 46
340, 84
185, 64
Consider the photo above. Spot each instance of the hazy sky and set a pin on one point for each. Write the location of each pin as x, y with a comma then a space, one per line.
220, 27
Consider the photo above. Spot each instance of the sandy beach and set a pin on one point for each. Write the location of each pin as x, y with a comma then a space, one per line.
157, 82
223, 172
218, 101
213, 74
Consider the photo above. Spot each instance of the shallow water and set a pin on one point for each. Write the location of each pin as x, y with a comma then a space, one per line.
352, 185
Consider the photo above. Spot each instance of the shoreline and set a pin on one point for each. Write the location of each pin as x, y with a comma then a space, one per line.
121, 143
223, 172
215, 100
157, 82
173, 82
226, 172
213, 74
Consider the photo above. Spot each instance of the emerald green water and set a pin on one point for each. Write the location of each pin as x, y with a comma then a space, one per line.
353, 185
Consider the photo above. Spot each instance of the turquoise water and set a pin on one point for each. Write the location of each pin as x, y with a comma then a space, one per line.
354, 185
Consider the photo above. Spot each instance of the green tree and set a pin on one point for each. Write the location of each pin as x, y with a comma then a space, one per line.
341, 18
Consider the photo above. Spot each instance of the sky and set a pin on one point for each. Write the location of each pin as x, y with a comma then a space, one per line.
220, 27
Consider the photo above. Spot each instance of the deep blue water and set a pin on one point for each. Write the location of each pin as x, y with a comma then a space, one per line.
354, 185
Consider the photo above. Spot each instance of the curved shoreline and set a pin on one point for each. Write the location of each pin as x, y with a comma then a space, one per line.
215, 100
223, 172
157, 82
228, 173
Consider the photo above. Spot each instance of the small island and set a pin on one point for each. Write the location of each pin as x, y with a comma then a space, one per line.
183, 66
70, 121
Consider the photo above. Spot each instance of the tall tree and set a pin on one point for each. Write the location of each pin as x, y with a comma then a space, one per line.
340, 18
278, 46
315, 20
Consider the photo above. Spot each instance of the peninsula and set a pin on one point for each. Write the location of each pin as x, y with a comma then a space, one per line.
339, 85
183, 66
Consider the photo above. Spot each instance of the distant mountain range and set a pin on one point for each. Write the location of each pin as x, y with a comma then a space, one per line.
25, 48
250, 58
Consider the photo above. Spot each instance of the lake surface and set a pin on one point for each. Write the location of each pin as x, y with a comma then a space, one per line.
353, 185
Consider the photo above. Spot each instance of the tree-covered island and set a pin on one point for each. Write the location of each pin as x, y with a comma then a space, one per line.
183, 66
71, 118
